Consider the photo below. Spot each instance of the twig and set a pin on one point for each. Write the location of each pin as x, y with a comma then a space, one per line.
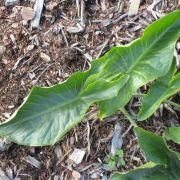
64, 36
89, 145
104, 45
35, 81
119, 18
173, 104
123, 110
77, 6
128, 129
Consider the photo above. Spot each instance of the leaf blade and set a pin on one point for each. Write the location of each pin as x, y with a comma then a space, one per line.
161, 90
153, 146
168, 169
145, 60
49, 113
173, 133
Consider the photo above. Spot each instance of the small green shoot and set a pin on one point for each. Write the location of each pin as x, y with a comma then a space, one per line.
115, 160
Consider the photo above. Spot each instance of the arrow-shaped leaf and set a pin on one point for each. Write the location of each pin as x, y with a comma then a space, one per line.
145, 59
161, 90
49, 113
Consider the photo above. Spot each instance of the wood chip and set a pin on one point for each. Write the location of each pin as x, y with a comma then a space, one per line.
51, 5
4, 144
33, 161
3, 175
58, 152
134, 7
45, 57
27, 13
11, 2
38, 10
2, 50
117, 139
77, 156
76, 175
75, 30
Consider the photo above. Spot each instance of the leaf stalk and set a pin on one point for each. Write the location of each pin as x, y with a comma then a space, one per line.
123, 110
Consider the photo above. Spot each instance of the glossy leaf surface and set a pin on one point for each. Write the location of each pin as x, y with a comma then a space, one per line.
144, 60
153, 146
165, 165
49, 113
173, 133
161, 90
153, 172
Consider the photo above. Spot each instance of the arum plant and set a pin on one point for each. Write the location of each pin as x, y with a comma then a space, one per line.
49, 113
163, 162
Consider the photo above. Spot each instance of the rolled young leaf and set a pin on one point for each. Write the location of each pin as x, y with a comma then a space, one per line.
173, 133
161, 90
144, 60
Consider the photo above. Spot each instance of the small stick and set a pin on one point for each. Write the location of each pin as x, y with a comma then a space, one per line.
89, 145
64, 36
119, 18
104, 45
35, 81
77, 6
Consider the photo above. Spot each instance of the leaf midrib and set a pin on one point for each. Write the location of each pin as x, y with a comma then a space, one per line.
47, 111
147, 49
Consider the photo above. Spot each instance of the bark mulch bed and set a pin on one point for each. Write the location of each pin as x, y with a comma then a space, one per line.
67, 40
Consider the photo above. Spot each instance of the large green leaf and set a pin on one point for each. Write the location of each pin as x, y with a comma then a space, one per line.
161, 90
153, 172
49, 113
145, 59
153, 146
165, 165
173, 133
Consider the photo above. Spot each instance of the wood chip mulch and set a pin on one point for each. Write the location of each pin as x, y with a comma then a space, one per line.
71, 34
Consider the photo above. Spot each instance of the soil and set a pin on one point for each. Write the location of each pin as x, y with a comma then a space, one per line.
22, 67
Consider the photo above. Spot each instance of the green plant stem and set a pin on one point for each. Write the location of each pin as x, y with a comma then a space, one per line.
123, 110
140, 95
173, 104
